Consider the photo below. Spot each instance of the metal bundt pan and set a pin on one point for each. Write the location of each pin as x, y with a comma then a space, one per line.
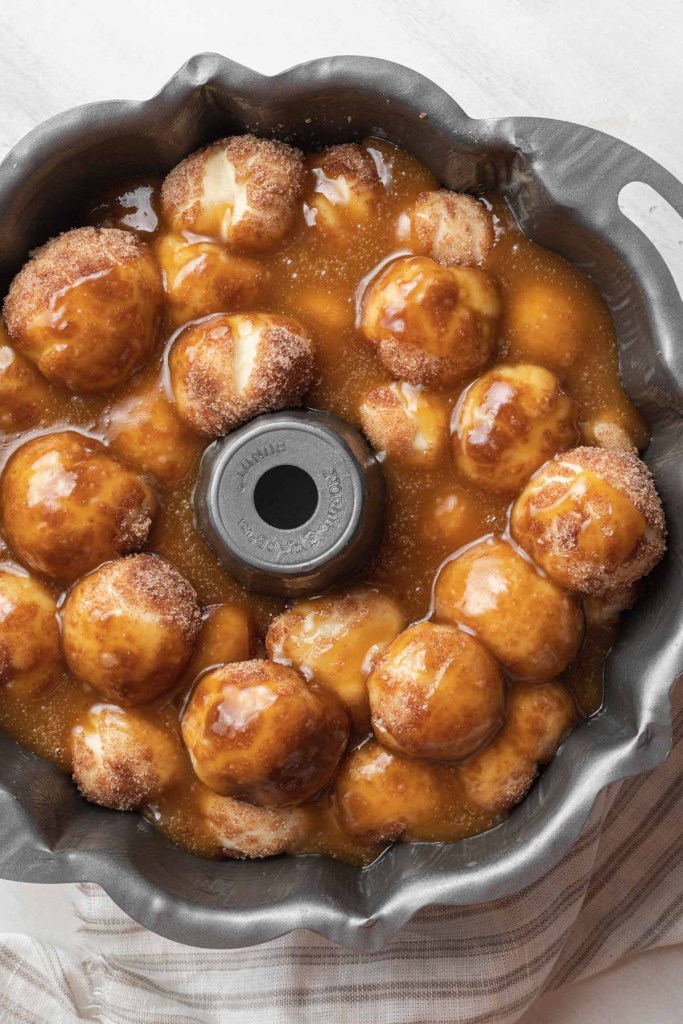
562, 181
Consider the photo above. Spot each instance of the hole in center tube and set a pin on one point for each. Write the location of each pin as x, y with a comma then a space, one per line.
658, 220
285, 497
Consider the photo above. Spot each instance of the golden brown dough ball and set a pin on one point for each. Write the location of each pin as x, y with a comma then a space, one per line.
145, 429
454, 228
430, 324
241, 830
592, 520
384, 796
538, 719
229, 369
335, 641
451, 518
532, 627
202, 277
123, 759
256, 731
68, 505
406, 422
227, 635
242, 190
545, 321
129, 628
508, 423
25, 396
327, 311
345, 188
30, 655
436, 692
86, 308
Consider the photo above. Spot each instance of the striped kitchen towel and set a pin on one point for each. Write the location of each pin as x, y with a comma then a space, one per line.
619, 890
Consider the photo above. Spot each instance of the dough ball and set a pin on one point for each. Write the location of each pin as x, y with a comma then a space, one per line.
435, 692
383, 796
86, 308
30, 656
335, 640
242, 190
68, 505
202, 277
25, 397
345, 189
145, 429
243, 831
508, 423
592, 520
430, 324
454, 228
538, 719
407, 423
532, 628
603, 611
227, 635
545, 321
450, 518
226, 370
123, 759
606, 431
129, 628
256, 731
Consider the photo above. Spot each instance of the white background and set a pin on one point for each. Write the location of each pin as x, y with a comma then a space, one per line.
612, 64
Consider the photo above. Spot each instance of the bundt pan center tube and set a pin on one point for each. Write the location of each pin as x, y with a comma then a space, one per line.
562, 182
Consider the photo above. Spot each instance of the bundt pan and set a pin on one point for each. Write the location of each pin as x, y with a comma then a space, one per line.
562, 181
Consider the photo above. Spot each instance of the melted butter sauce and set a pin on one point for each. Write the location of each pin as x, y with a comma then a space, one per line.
318, 281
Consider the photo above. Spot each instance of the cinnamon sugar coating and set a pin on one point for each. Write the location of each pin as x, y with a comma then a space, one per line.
130, 627
592, 519
241, 190
87, 307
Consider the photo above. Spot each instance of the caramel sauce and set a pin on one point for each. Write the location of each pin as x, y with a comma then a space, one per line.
316, 280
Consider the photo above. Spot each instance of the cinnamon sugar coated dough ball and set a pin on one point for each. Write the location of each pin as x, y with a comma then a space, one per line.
592, 520
257, 731
430, 324
606, 431
203, 277
86, 308
406, 422
454, 228
242, 190
531, 627
241, 830
228, 369
25, 396
30, 652
508, 423
123, 759
384, 796
68, 505
436, 692
538, 719
545, 321
602, 611
335, 640
144, 428
344, 191
129, 628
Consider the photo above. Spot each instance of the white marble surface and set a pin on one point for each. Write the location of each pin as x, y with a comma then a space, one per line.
613, 64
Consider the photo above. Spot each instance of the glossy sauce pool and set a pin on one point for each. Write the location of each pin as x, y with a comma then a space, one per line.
316, 280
